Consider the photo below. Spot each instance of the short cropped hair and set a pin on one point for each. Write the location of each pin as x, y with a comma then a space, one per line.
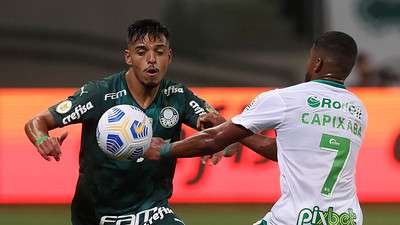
340, 47
141, 28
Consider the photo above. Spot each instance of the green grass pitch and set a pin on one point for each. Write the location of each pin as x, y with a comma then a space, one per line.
192, 214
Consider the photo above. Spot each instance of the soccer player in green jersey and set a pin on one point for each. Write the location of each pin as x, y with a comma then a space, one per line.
109, 191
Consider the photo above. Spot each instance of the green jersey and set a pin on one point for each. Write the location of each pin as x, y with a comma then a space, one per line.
111, 187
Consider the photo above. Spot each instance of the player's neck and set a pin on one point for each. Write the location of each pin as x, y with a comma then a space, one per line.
330, 77
143, 95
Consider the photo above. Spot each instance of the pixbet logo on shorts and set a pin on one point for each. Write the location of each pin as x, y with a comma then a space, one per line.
318, 217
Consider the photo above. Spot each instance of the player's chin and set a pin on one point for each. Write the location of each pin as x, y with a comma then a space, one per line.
152, 82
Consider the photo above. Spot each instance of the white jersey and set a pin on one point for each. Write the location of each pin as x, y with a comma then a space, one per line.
320, 126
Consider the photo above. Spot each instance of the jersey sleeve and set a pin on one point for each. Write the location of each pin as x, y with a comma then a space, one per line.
194, 107
78, 107
266, 111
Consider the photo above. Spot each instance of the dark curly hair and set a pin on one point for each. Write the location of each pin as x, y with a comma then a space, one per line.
141, 28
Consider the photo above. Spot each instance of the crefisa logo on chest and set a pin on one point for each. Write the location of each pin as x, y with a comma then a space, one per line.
169, 117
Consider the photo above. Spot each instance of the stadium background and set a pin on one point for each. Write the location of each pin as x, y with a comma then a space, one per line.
229, 51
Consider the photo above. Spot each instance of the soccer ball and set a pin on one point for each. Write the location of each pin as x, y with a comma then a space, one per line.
124, 132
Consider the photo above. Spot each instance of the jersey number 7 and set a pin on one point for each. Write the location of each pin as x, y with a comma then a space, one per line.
341, 146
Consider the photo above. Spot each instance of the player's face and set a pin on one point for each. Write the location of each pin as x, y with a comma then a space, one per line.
149, 59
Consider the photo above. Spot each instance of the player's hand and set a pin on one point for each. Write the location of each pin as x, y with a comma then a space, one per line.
52, 147
153, 152
208, 120
232, 149
227, 152
214, 158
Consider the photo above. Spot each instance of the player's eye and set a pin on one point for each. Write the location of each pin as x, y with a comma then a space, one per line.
160, 51
140, 52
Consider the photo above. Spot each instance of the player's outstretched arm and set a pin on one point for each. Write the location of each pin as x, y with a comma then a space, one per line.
260, 144
37, 129
212, 119
206, 142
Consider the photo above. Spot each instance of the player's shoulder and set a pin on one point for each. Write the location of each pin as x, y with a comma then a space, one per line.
281, 94
357, 101
277, 92
111, 80
306, 88
266, 97
295, 88
354, 96
171, 88
105, 84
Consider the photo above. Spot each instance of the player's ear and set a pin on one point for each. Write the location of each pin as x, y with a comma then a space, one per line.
170, 55
128, 57
318, 65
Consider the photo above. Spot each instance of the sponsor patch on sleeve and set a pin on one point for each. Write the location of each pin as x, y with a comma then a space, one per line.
64, 107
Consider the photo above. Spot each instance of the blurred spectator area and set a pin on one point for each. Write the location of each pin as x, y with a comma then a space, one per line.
215, 43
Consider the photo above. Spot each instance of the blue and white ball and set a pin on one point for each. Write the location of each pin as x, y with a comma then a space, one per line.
124, 132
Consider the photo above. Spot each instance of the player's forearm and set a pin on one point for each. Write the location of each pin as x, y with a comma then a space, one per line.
262, 145
38, 127
35, 128
203, 143
206, 142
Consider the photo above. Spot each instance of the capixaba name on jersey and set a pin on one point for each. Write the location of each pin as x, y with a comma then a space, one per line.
333, 121
78, 111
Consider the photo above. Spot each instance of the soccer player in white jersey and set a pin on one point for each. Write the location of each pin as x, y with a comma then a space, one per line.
320, 126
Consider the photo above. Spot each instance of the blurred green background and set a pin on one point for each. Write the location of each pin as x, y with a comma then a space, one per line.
192, 214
